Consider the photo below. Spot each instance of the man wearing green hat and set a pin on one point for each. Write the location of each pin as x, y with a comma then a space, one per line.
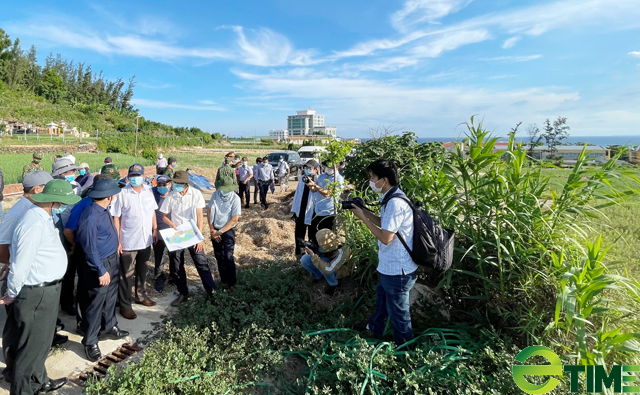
38, 263
223, 213
111, 169
227, 170
34, 165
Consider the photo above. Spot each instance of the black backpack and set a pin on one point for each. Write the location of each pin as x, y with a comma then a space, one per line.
432, 244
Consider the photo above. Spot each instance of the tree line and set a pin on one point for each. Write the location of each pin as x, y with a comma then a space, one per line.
60, 80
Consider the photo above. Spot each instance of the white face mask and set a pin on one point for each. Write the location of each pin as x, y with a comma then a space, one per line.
329, 172
372, 185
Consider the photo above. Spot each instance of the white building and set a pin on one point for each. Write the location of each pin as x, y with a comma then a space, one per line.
308, 123
281, 134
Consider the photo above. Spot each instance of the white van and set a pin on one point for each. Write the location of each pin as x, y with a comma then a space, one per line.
310, 152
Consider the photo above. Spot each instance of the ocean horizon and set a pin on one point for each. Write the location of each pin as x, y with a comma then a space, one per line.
571, 140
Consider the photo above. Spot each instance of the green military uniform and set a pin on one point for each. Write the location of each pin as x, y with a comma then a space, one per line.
34, 165
112, 170
226, 171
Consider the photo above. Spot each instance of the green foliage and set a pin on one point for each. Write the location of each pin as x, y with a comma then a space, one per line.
554, 134
270, 336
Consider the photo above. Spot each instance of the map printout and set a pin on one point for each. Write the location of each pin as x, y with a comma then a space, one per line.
187, 235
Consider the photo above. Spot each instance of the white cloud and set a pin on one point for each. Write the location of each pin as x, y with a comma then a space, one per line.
511, 42
268, 48
153, 86
449, 42
635, 54
387, 65
164, 104
208, 102
515, 58
415, 12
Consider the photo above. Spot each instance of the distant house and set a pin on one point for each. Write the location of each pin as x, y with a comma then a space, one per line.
634, 156
570, 153
52, 128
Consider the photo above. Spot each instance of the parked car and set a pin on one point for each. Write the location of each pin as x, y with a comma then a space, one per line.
293, 160
310, 152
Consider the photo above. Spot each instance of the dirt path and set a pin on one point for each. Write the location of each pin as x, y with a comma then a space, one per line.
262, 236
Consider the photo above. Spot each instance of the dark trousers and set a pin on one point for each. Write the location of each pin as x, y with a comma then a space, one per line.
200, 261
101, 308
133, 263
82, 301
67, 297
393, 301
32, 323
264, 189
223, 252
300, 234
320, 222
256, 191
158, 254
245, 192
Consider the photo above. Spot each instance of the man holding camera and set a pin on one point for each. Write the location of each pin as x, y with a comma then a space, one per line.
397, 269
302, 207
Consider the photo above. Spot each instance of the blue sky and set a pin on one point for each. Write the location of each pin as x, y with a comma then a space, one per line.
240, 67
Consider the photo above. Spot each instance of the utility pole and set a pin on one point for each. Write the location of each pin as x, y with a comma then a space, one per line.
136, 149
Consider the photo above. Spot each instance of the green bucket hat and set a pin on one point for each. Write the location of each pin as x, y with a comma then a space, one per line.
225, 184
112, 170
57, 191
38, 155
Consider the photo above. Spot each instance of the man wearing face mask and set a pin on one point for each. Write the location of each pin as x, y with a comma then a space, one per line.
34, 165
397, 269
223, 213
85, 179
325, 190
183, 204
226, 170
65, 169
302, 207
256, 188
38, 263
135, 221
283, 174
265, 178
99, 239
160, 192
245, 175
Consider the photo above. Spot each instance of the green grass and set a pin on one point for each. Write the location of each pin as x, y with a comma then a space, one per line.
12, 164
213, 161
33, 139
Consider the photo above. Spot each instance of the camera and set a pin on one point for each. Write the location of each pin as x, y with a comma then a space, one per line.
306, 179
312, 246
356, 202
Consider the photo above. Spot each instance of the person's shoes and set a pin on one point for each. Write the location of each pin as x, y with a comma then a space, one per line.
247, 206
147, 302
70, 309
117, 332
93, 352
129, 314
79, 330
266, 207
59, 327
53, 385
361, 327
8, 375
255, 202
179, 300
159, 286
59, 339
330, 290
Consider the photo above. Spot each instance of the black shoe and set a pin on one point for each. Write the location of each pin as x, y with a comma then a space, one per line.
159, 286
79, 330
59, 339
59, 327
361, 327
93, 352
117, 332
247, 206
53, 385
70, 309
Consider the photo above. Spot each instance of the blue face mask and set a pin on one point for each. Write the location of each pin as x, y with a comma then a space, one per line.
163, 190
223, 193
58, 211
174, 165
70, 178
178, 187
135, 181
308, 172
82, 172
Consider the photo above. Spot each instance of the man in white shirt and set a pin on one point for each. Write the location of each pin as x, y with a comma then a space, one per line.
245, 175
185, 203
283, 174
38, 263
135, 221
256, 189
397, 269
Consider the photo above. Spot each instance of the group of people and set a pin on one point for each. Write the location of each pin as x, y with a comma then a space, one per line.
68, 224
